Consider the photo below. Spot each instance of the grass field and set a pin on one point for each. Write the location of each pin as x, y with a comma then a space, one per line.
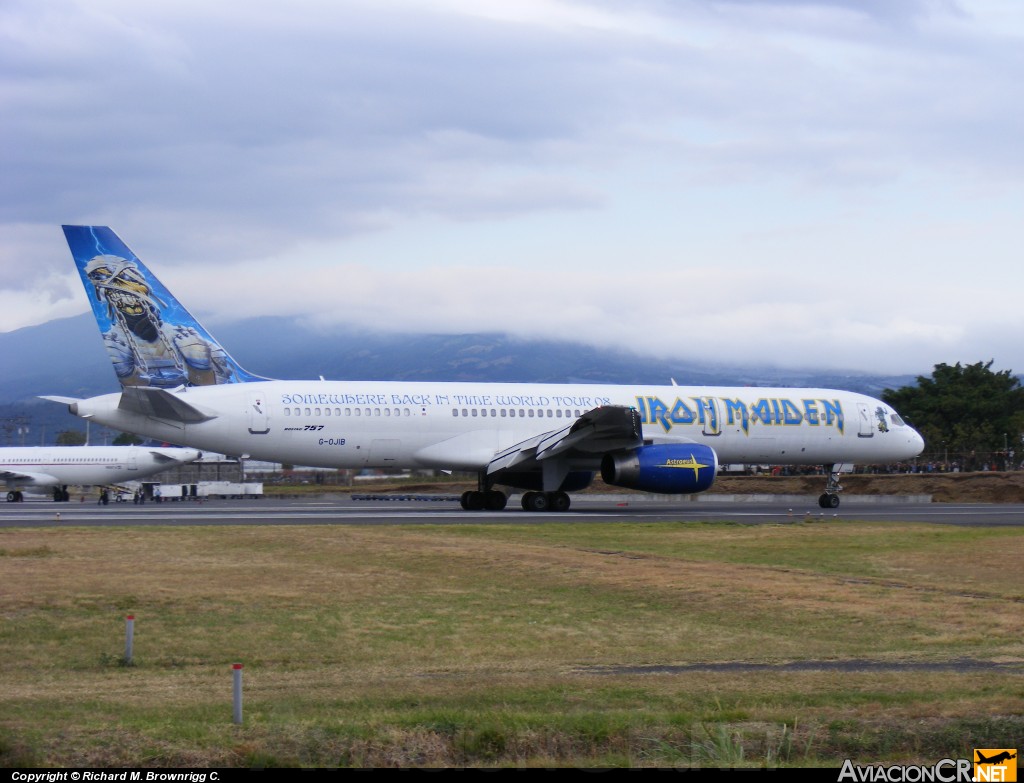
506, 645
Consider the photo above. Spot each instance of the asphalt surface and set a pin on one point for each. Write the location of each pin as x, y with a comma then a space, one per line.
445, 510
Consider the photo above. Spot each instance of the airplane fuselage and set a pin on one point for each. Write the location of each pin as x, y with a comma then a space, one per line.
30, 466
461, 426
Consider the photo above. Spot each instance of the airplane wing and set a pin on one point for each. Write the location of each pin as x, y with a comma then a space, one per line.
26, 479
595, 433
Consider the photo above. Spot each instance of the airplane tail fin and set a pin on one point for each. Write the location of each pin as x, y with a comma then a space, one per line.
152, 340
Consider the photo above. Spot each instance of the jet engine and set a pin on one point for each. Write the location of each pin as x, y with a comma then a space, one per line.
669, 469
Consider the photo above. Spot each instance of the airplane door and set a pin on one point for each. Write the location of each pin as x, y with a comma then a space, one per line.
865, 427
711, 422
259, 416
133, 460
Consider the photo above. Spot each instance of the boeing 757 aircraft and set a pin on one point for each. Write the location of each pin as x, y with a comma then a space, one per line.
180, 385
64, 466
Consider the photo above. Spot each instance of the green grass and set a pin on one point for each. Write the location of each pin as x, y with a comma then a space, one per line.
494, 645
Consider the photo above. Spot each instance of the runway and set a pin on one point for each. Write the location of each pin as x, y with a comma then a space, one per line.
444, 510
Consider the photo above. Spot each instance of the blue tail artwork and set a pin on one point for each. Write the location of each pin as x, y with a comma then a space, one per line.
150, 337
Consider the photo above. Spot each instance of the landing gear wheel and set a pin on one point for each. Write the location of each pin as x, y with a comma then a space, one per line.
494, 500
535, 501
11, 497
828, 500
472, 500
558, 501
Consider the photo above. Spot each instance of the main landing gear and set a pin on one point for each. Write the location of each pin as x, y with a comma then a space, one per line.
490, 499
60, 495
830, 497
546, 501
478, 500
493, 500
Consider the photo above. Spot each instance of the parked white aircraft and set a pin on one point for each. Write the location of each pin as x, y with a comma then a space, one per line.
63, 466
180, 385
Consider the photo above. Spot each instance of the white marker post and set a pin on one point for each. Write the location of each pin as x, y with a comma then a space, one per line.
129, 638
237, 667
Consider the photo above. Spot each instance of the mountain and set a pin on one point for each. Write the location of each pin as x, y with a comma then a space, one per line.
66, 357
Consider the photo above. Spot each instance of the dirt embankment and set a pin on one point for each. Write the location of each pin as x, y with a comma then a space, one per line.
990, 487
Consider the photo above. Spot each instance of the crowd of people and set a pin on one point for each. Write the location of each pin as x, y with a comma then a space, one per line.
971, 463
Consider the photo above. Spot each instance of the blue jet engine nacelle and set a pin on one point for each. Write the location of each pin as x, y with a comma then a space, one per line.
668, 469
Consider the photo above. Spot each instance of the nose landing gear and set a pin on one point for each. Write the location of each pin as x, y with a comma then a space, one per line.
830, 497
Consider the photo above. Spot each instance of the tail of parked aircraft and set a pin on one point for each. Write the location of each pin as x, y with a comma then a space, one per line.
152, 340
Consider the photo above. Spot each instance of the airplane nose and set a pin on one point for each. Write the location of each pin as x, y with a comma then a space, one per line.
917, 442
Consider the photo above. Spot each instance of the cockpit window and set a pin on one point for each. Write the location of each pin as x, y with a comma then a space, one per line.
896, 420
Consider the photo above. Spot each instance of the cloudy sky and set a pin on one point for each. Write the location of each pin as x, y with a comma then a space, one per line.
822, 183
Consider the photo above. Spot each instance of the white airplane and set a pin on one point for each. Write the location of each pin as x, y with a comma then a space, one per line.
179, 384
63, 466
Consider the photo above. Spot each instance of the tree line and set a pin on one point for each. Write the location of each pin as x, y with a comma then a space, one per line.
965, 410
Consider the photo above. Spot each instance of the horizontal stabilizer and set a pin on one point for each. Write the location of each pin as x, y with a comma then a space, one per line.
163, 457
160, 404
58, 398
